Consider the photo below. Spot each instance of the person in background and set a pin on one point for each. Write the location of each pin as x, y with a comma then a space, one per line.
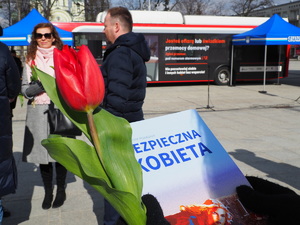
124, 72
44, 40
20, 68
10, 85
17, 60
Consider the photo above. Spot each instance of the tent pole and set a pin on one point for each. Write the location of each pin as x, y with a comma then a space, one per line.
265, 66
265, 70
231, 71
278, 72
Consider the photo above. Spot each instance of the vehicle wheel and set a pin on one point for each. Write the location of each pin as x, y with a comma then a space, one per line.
222, 76
149, 78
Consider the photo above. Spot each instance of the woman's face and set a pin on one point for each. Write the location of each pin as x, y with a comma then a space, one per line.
44, 37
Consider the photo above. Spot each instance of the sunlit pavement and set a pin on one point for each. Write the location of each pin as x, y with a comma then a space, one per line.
260, 131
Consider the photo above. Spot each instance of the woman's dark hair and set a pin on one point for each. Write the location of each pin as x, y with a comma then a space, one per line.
31, 51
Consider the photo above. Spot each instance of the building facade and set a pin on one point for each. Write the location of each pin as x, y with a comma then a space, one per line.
67, 11
289, 10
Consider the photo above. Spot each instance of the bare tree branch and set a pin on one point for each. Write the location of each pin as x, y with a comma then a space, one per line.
217, 9
192, 7
93, 7
244, 7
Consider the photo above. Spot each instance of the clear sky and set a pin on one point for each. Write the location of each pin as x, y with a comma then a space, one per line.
281, 1
115, 2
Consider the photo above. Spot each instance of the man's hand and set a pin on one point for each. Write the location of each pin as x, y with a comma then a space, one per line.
11, 100
155, 215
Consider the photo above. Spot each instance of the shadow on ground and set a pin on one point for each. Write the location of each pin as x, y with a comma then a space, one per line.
271, 169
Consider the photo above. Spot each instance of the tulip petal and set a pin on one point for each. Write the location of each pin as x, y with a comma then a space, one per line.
69, 81
94, 87
79, 78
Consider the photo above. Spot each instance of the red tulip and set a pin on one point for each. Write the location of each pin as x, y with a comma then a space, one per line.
79, 78
34, 76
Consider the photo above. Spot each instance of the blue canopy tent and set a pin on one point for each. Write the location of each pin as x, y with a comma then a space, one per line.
19, 34
275, 31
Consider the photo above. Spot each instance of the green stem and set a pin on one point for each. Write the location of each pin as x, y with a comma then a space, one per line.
94, 134
95, 138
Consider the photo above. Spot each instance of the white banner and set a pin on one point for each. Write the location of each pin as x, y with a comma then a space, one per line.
187, 170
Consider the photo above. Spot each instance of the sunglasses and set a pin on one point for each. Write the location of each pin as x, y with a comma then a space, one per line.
46, 35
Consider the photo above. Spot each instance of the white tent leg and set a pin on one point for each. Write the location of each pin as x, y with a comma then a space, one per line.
265, 70
231, 71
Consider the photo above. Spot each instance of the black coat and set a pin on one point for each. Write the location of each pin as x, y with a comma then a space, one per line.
10, 85
125, 73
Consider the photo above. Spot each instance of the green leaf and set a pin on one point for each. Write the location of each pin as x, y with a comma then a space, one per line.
120, 181
34, 76
78, 118
81, 159
21, 98
115, 136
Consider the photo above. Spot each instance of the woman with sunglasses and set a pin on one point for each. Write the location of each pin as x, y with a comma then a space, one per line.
44, 40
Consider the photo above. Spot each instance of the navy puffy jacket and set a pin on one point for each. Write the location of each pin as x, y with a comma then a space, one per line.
10, 85
124, 73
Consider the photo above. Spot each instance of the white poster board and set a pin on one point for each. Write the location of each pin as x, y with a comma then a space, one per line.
187, 169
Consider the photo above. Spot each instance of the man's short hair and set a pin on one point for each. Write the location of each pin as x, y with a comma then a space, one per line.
123, 15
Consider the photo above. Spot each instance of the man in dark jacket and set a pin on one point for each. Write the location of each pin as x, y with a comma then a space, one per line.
123, 67
124, 73
20, 68
10, 85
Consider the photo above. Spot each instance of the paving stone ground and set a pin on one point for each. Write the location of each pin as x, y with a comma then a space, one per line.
259, 131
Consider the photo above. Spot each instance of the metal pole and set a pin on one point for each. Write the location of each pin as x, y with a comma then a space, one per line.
231, 71
9, 14
265, 70
149, 5
265, 67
